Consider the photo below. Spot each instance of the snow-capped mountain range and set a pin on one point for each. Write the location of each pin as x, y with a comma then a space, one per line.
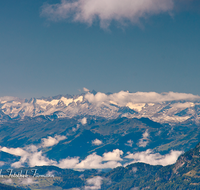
168, 107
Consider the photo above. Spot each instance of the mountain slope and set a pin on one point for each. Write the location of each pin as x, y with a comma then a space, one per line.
52, 139
184, 174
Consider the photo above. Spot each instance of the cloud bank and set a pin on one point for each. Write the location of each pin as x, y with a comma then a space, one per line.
105, 11
154, 158
34, 156
122, 98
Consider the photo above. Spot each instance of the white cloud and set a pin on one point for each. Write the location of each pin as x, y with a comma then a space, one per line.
50, 141
31, 156
129, 143
84, 121
88, 11
97, 142
154, 158
68, 163
144, 141
13, 151
122, 98
114, 155
94, 183
74, 129
37, 159
8, 98
85, 89
94, 161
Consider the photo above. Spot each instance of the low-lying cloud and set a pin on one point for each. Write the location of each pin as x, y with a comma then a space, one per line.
94, 183
144, 140
108, 160
50, 141
34, 156
122, 98
154, 158
105, 11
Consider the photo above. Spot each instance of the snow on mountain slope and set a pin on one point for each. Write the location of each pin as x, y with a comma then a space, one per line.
168, 107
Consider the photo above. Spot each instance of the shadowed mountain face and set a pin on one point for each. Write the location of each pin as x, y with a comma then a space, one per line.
8, 187
184, 174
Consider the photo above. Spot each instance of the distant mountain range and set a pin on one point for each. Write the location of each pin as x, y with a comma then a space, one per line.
93, 130
172, 108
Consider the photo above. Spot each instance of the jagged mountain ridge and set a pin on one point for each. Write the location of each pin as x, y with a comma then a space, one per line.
163, 108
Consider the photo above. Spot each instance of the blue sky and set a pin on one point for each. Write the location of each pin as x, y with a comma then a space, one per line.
43, 53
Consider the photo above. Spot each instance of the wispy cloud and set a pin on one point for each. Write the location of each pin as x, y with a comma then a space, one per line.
85, 89
106, 11
94, 183
129, 143
144, 140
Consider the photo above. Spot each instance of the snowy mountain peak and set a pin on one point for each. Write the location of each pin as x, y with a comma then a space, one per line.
168, 107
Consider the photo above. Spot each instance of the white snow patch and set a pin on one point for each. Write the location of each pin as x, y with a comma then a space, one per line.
136, 107
66, 101
80, 99
183, 105
112, 102
44, 103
